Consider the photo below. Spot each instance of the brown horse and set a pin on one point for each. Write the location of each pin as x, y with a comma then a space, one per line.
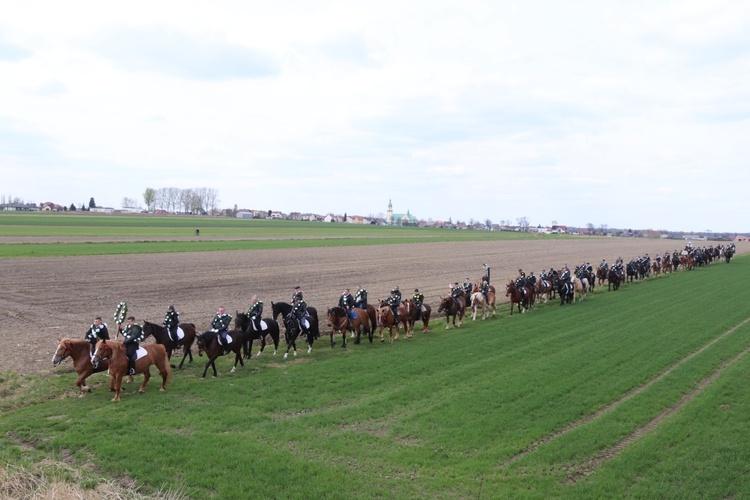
517, 297
161, 336
543, 289
338, 322
114, 352
656, 268
386, 320
452, 309
207, 343
79, 351
601, 275
580, 287
417, 313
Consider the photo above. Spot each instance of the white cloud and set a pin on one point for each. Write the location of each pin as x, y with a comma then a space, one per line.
603, 113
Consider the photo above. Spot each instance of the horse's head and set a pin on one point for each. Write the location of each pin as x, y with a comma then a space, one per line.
150, 329
103, 351
241, 321
63, 351
444, 304
204, 341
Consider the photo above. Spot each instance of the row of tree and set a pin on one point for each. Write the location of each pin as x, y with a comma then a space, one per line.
192, 200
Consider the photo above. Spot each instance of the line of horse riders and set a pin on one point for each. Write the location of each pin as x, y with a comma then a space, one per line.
354, 315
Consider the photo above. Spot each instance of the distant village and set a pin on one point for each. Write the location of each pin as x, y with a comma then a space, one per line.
395, 219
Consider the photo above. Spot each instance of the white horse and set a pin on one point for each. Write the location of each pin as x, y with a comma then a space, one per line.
477, 301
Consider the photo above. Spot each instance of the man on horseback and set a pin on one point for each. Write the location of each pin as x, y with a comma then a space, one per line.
456, 292
521, 282
565, 274
97, 331
360, 298
220, 325
486, 276
346, 301
398, 294
132, 337
418, 299
468, 287
299, 312
393, 302
604, 264
254, 312
297, 295
171, 320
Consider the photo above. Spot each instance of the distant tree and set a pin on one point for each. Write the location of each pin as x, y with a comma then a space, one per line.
590, 227
344, 216
269, 213
488, 224
92, 203
523, 223
72, 207
83, 207
235, 210
603, 229
129, 203
149, 198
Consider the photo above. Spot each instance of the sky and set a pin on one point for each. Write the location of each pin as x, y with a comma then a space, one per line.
625, 114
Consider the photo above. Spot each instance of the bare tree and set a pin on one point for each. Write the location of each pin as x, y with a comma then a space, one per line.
523, 223
590, 227
130, 203
603, 229
488, 224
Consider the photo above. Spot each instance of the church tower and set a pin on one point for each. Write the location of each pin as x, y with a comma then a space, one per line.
389, 213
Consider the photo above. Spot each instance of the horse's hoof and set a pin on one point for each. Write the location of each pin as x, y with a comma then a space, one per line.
141, 392
203, 378
285, 355
162, 389
234, 369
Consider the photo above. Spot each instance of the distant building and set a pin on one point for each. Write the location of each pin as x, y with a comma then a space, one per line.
406, 219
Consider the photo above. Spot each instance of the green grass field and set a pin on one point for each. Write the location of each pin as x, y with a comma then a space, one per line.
162, 234
637, 393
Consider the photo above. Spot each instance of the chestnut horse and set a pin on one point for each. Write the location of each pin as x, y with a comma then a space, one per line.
386, 320
415, 313
115, 353
79, 351
517, 297
207, 343
338, 322
543, 289
452, 308
161, 336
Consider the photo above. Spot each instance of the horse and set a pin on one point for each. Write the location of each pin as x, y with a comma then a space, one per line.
338, 321
284, 308
601, 275
415, 313
543, 287
579, 288
115, 353
478, 301
161, 336
296, 328
666, 265
452, 308
656, 268
387, 320
268, 327
613, 279
79, 351
566, 290
207, 342
517, 297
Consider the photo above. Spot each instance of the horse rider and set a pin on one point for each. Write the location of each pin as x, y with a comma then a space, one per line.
456, 292
398, 294
299, 311
418, 299
171, 320
484, 287
604, 264
531, 280
360, 298
468, 287
220, 325
347, 302
393, 302
132, 337
521, 282
97, 331
254, 312
565, 274
297, 295
486, 276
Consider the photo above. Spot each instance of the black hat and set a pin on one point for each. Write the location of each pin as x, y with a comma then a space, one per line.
296, 287
393, 291
170, 308
416, 289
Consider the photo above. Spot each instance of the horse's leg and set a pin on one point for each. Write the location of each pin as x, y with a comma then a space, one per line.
333, 343
146, 376
118, 386
262, 344
81, 380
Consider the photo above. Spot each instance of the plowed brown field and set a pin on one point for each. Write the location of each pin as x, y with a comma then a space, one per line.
45, 299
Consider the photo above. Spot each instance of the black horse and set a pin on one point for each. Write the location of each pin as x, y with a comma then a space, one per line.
631, 270
566, 290
284, 308
296, 328
613, 279
269, 327
207, 343
161, 336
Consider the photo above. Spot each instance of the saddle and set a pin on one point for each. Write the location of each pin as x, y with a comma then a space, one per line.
263, 326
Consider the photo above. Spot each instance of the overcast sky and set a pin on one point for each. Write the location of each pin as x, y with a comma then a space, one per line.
630, 114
